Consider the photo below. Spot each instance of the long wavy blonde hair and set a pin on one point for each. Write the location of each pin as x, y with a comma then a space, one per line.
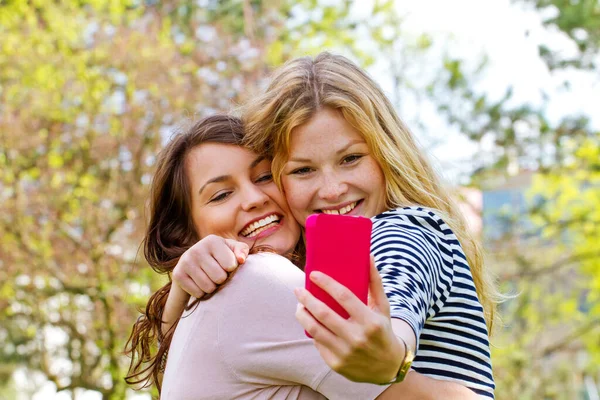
303, 86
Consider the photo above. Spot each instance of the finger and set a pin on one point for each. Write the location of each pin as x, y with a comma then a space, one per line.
223, 255
321, 312
328, 355
344, 296
240, 249
188, 285
327, 343
377, 296
309, 323
212, 268
202, 280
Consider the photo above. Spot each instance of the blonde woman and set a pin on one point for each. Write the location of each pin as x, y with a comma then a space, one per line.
339, 147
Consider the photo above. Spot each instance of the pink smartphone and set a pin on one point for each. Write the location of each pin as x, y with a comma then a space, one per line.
339, 246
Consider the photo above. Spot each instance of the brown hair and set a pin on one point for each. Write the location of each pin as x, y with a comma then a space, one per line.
169, 234
303, 86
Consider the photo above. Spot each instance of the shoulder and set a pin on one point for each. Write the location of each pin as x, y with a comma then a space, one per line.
267, 259
261, 275
263, 286
417, 224
273, 268
416, 231
411, 225
425, 219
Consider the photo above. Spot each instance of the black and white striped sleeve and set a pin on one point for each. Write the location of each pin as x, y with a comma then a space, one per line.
416, 275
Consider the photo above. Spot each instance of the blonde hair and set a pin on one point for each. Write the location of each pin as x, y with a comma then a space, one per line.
303, 86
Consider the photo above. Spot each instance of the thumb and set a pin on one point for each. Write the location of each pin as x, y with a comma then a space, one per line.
240, 250
377, 298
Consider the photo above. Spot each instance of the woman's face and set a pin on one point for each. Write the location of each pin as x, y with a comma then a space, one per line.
234, 196
331, 170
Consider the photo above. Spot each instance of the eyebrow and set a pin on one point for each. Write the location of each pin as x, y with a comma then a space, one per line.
340, 151
257, 161
217, 179
223, 178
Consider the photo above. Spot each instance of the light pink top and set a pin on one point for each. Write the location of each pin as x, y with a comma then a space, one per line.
245, 343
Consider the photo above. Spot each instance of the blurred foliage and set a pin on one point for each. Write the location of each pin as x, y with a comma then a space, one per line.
550, 343
580, 21
550, 259
86, 88
89, 91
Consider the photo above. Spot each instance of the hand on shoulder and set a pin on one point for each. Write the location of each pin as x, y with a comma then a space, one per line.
207, 264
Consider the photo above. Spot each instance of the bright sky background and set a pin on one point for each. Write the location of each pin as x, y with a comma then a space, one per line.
496, 28
470, 28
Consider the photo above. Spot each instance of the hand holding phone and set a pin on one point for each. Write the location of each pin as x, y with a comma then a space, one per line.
338, 246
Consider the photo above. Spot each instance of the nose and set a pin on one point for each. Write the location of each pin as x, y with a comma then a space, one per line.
332, 186
253, 197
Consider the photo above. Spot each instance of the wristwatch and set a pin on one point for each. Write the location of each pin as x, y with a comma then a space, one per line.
409, 356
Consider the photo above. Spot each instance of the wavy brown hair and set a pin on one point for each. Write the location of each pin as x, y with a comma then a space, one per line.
169, 234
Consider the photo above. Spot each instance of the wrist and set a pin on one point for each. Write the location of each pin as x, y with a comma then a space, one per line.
398, 354
405, 359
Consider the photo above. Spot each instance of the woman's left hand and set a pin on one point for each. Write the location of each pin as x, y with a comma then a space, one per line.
363, 348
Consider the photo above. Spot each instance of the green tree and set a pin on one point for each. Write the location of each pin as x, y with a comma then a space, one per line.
580, 21
549, 258
89, 92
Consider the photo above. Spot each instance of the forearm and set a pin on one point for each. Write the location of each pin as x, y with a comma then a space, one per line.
174, 307
421, 387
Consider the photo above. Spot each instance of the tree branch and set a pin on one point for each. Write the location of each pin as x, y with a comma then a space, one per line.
567, 340
560, 264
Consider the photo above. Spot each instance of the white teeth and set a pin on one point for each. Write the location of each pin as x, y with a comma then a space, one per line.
341, 211
262, 229
259, 225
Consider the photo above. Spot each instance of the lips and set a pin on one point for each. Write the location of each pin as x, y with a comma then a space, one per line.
342, 209
257, 226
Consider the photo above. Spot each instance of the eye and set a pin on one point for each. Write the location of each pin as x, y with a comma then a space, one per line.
352, 158
267, 177
301, 171
221, 196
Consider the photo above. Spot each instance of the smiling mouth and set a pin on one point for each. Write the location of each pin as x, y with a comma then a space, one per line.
341, 211
260, 226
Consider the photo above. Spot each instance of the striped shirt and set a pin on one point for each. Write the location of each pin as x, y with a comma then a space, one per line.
429, 285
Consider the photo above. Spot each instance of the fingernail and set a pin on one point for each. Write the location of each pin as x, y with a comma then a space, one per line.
316, 276
232, 268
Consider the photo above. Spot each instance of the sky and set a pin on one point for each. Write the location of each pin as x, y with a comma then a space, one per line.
468, 29
499, 29
509, 35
